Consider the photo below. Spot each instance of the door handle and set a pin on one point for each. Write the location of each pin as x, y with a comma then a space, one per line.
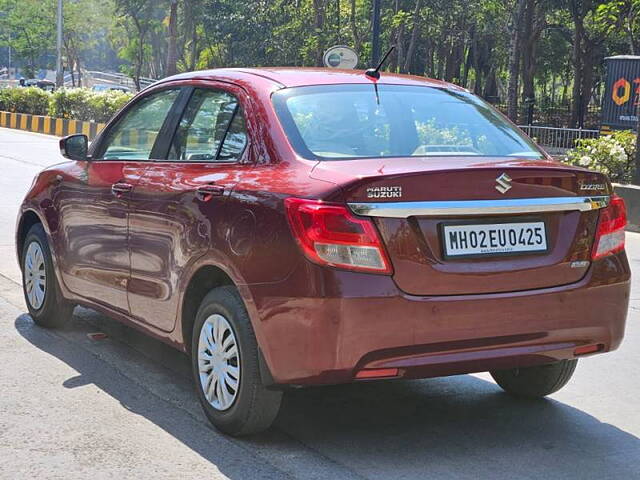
204, 193
120, 188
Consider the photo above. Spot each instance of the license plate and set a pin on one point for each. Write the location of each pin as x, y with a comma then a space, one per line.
494, 239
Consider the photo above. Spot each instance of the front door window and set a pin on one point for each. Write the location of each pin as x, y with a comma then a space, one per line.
133, 137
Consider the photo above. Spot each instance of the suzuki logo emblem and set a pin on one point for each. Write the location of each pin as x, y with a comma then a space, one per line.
504, 183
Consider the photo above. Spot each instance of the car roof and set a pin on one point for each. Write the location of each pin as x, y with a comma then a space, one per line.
298, 77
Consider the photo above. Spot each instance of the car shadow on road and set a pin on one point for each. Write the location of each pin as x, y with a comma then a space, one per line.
456, 427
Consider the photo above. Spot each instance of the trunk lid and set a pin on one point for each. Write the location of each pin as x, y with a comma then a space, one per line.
414, 241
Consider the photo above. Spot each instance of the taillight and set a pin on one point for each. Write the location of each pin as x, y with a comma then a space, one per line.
330, 234
610, 233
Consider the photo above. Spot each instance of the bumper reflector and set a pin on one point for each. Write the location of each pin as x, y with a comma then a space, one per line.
583, 350
377, 373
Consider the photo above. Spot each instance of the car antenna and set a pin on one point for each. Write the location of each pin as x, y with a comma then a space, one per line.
375, 72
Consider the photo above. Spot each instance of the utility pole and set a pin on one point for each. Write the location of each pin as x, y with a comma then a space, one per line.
636, 173
375, 40
59, 72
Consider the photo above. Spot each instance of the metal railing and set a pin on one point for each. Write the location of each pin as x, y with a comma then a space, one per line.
557, 140
119, 79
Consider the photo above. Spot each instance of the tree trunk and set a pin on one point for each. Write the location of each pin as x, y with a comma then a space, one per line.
586, 53
454, 61
467, 59
172, 50
400, 49
630, 21
414, 38
357, 42
514, 60
588, 66
79, 70
576, 100
319, 14
490, 86
528, 52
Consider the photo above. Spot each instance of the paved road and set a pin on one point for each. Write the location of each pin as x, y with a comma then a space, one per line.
123, 407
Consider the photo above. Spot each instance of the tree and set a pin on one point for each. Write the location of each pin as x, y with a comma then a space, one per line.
514, 58
28, 28
79, 41
137, 18
588, 39
172, 50
505, 50
622, 16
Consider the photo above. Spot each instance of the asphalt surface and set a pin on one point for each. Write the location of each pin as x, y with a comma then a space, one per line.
124, 407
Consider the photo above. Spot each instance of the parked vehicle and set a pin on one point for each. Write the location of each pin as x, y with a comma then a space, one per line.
42, 84
295, 227
108, 87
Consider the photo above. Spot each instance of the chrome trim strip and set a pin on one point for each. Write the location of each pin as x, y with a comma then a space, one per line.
478, 207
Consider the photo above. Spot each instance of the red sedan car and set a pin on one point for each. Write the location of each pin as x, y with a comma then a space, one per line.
292, 227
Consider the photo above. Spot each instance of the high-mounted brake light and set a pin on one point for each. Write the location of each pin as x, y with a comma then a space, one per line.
610, 232
330, 234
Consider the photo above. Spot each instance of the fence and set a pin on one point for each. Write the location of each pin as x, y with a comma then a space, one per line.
557, 141
119, 79
554, 115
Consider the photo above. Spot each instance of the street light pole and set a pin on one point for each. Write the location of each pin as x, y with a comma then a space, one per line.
375, 40
636, 171
59, 72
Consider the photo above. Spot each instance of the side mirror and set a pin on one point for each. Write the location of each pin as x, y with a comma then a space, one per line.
74, 147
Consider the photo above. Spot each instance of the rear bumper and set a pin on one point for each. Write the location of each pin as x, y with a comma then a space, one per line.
321, 326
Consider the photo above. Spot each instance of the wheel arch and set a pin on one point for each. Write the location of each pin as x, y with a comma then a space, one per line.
204, 279
28, 219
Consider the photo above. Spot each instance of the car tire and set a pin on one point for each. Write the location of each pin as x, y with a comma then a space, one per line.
535, 382
45, 303
235, 406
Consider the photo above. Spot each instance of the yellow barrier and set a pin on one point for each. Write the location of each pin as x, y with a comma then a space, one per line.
49, 125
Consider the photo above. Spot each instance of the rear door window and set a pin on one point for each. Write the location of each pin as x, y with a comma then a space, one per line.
212, 129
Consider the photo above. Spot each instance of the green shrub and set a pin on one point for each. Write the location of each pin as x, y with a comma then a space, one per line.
76, 103
31, 100
611, 154
104, 105
84, 104
70, 103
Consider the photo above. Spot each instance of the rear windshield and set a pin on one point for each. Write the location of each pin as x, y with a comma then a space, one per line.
333, 122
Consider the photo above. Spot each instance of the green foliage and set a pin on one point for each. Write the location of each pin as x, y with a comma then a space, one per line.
77, 103
31, 100
463, 41
620, 18
28, 27
84, 104
105, 104
611, 154
70, 103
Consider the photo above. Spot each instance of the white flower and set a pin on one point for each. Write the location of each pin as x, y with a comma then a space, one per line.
617, 153
584, 161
